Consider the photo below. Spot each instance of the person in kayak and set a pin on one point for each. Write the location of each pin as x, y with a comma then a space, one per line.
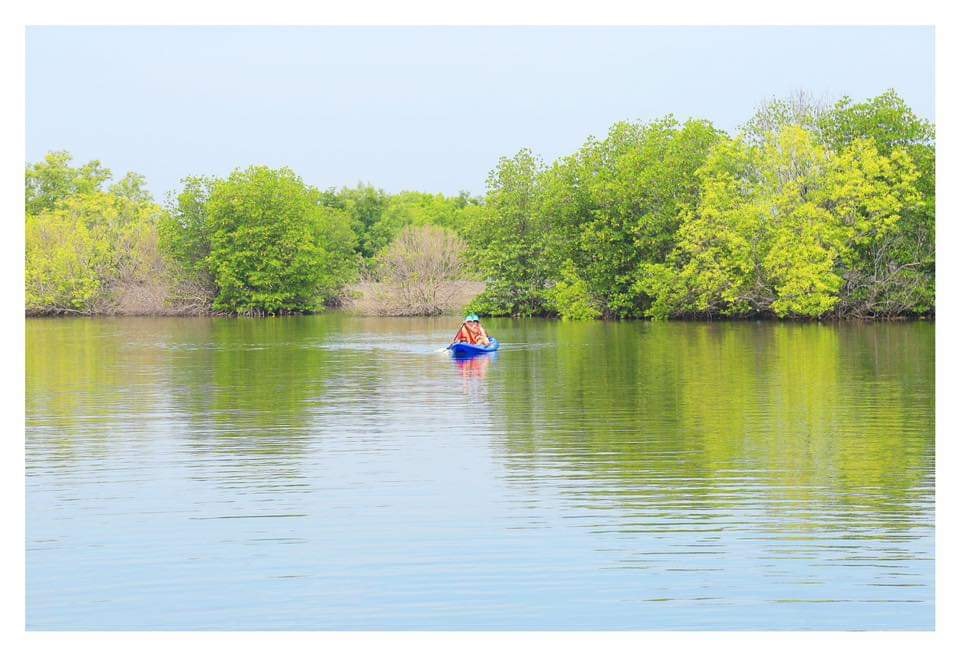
472, 332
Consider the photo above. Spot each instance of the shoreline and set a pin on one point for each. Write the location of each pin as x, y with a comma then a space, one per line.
350, 312
373, 299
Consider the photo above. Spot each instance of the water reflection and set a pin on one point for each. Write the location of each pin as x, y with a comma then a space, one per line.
791, 450
245, 391
474, 366
807, 410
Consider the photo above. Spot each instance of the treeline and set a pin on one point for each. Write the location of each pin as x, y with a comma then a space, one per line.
808, 212
260, 241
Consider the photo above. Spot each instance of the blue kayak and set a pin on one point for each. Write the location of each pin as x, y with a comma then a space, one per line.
463, 349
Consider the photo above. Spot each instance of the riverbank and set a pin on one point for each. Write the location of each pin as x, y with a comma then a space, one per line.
366, 304
367, 298
379, 299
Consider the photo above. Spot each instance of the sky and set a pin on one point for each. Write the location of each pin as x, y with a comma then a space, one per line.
426, 109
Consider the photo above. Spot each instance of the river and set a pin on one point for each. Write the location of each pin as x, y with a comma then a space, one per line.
337, 472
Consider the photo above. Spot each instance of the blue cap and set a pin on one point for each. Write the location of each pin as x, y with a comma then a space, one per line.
472, 317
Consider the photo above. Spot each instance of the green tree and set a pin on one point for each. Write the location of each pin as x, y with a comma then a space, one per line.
185, 230
410, 208
273, 246
613, 208
638, 195
877, 201
365, 205
506, 240
780, 226
716, 267
570, 296
898, 275
90, 252
886, 119
54, 180
63, 263
133, 187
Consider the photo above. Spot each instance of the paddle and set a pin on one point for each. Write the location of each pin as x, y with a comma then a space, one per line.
440, 350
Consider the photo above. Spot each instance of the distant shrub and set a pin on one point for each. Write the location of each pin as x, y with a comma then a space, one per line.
420, 271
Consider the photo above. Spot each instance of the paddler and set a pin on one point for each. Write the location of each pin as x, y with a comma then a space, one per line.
472, 332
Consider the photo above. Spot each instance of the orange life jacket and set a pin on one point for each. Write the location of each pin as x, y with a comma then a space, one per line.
471, 335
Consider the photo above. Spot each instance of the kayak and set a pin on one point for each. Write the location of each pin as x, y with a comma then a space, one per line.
463, 349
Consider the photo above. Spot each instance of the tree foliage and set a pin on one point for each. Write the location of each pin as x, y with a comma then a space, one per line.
507, 240
811, 211
638, 180
570, 296
780, 227
364, 204
185, 229
273, 247
901, 272
607, 209
89, 250
53, 180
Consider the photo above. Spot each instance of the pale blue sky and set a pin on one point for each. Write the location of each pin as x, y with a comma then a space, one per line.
429, 109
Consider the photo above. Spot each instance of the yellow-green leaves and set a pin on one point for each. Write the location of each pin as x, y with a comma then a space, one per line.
82, 253
780, 224
868, 191
62, 264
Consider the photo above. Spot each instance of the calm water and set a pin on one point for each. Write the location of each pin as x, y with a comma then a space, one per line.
334, 473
